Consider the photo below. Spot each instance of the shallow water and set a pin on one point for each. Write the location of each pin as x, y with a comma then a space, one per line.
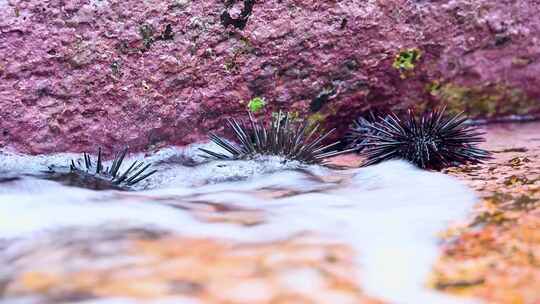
389, 213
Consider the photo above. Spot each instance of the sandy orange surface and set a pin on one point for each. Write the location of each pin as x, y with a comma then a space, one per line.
496, 255
150, 266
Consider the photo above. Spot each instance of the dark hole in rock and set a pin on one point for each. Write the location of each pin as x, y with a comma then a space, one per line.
147, 33
321, 99
167, 33
343, 24
502, 39
241, 21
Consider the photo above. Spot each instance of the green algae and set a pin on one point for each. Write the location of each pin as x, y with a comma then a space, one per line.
316, 118
256, 104
406, 60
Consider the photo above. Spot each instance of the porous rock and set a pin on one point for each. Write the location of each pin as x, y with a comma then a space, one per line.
75, 74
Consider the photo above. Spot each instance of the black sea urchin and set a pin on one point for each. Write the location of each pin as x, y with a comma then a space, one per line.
432, 141
84, 173
357, 135
295, 141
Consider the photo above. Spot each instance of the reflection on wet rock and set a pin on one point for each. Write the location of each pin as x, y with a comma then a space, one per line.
108, 262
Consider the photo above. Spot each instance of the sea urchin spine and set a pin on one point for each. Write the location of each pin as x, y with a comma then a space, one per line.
134, 174
356, 137
432, 141
284, 138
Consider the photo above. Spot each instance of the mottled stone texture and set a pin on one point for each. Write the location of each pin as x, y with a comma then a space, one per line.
77, 74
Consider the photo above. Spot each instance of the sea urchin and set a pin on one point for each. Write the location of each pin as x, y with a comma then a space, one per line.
297, 141
87, 174
432, 141
356, 137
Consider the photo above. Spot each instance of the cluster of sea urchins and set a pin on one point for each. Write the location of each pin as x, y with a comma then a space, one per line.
433, 140
88, 174
285, 137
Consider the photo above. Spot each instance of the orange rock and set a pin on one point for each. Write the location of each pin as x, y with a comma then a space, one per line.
497, 258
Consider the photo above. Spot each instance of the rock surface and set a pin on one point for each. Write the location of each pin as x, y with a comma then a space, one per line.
152, 267
495, 257
80, 73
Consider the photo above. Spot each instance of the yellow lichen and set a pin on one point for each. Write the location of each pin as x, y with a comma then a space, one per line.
485, 101
406, 60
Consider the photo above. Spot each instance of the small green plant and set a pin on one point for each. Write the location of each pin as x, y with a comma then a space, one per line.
256, 104
407, 59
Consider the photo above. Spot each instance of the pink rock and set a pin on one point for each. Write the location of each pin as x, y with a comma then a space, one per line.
77, 74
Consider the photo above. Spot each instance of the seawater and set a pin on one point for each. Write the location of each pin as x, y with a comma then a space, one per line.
389, 213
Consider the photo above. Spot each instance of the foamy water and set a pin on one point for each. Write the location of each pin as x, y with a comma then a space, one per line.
389, 213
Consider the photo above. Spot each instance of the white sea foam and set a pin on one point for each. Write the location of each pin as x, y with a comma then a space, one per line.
389, 213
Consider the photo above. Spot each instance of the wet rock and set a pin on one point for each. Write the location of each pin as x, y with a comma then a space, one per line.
495, 256
149, 265
146, 74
